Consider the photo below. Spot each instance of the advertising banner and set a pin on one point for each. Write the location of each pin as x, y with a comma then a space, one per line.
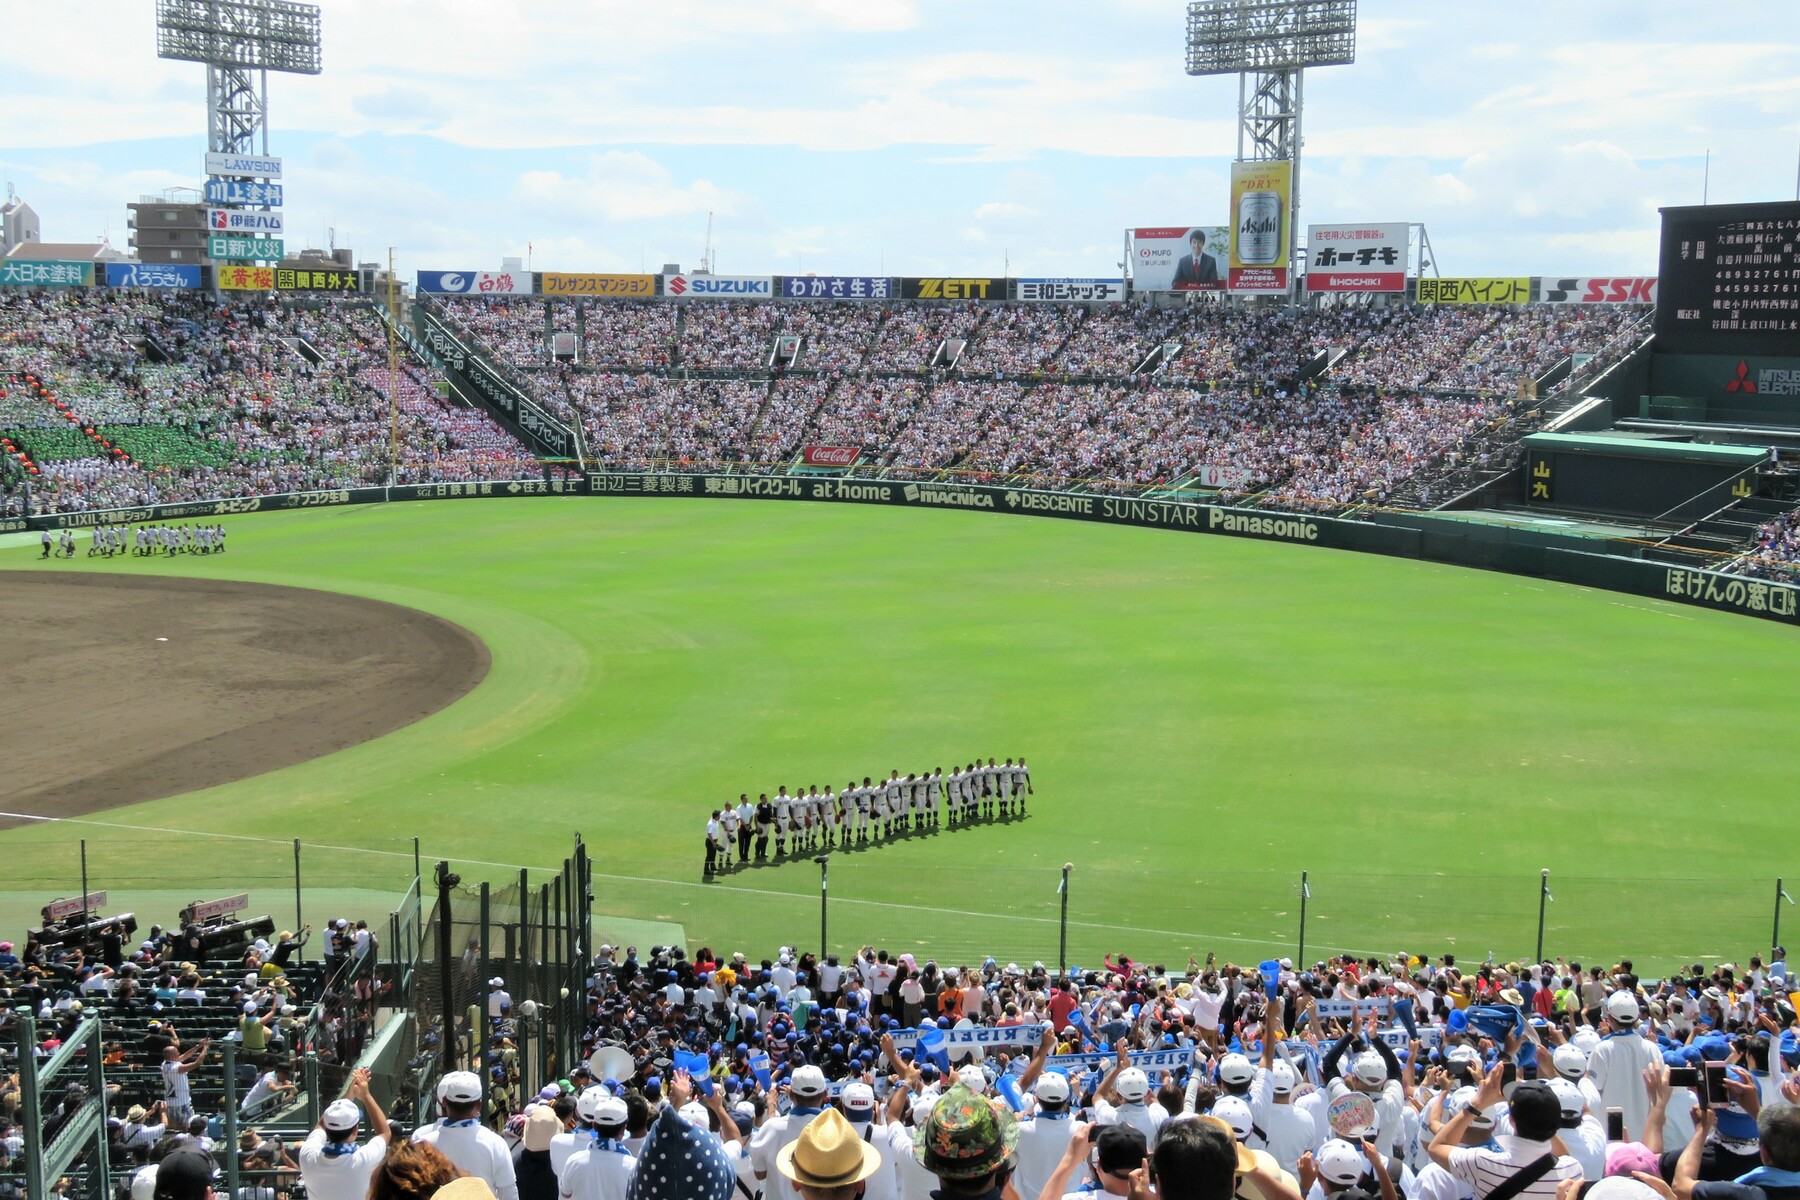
151, 275
836, 287
231, 220
245, 279
953, 289
1475, 291
49, 273
1607, 289
243, 164
1179, 258
58, 910
560, 283
1106, 291
263, 249
469, 283
243, 191
831, 456
1260, 195
1223, 477
202, 911
1356, 258
295, 280
719, 287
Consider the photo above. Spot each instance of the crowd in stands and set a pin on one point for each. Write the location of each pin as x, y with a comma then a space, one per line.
1054, 390
1776, 554
189, 399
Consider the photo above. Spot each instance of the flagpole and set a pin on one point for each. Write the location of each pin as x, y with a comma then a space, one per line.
1543, 900
1305, 895
1062, 941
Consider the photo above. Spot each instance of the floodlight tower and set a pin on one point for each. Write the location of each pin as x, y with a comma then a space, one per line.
1268, 44
240, 41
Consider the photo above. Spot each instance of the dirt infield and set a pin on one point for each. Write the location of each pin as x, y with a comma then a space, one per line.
121, 688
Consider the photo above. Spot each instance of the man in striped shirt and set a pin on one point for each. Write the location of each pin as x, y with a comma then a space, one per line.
1527, 1154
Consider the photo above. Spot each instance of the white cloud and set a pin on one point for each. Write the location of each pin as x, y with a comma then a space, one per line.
621, 186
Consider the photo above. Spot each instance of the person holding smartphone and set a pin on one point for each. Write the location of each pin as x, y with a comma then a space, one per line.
1524, 1164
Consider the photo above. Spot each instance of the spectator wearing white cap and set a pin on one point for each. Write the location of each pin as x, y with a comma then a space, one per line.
1617, 1064
1522, 1165
604, 1169
499, 999
807, 1092
1288, 1129
1375, 1072
1437, 1183
1044, 1136
1337, 1167
1129, 1087
857, 1103
460, 1137
332, 1164
1581, 1131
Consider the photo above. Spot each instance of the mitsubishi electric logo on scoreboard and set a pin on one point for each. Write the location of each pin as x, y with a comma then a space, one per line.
1769, 381
719, 287
226, 220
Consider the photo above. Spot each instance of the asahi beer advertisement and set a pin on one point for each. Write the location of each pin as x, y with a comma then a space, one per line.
1260, 195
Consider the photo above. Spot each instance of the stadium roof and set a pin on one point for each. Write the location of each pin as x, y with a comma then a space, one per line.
1627, 447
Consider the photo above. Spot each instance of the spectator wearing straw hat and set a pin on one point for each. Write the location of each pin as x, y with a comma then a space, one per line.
829, 1160
532, 1171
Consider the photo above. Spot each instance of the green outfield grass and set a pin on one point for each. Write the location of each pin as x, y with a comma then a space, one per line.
1205, 717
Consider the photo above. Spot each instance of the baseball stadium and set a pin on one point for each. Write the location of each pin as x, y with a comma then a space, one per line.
524, 670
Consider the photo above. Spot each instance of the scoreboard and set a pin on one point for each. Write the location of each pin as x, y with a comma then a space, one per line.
1729, 280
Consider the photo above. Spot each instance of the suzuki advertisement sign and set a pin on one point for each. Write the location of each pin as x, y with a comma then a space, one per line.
719, 287
230, 220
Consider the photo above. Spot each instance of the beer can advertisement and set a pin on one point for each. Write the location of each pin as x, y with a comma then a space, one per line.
1260, 195
1178, 258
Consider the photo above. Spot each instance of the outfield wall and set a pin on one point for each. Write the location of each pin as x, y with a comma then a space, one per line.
1422, 536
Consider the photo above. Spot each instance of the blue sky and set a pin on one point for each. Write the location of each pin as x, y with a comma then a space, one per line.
918, 136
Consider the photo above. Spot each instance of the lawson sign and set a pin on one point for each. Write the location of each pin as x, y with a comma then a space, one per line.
260, 166
719, 287
228, 220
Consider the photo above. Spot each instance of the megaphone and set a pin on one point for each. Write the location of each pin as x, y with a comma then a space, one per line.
610, 1064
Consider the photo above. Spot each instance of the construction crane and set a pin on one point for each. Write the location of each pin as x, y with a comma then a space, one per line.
706, 254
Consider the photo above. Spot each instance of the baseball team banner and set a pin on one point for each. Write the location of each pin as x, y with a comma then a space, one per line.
1178, 258
468, 283
1329, 1010
231, 220
243, 191
938, 288
719, 287
564, 283
831, 456
1511, 290
991, 1036
48, 273
261, 166
1223, 477
1356, 258
151, 275
1261, 193
1144, 1060
245, 279
836, 287
1105, 291
317, 281
1609, 289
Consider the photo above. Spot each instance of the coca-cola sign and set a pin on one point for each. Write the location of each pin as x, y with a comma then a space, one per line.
832, 456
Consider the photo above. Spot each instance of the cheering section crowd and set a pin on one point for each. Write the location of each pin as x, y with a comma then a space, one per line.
1358, 1078
1048, 390
189, 399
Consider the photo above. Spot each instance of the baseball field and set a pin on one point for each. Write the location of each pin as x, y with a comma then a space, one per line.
1205, 718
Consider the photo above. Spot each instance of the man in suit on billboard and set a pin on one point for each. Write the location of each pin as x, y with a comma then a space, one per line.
1199, 266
